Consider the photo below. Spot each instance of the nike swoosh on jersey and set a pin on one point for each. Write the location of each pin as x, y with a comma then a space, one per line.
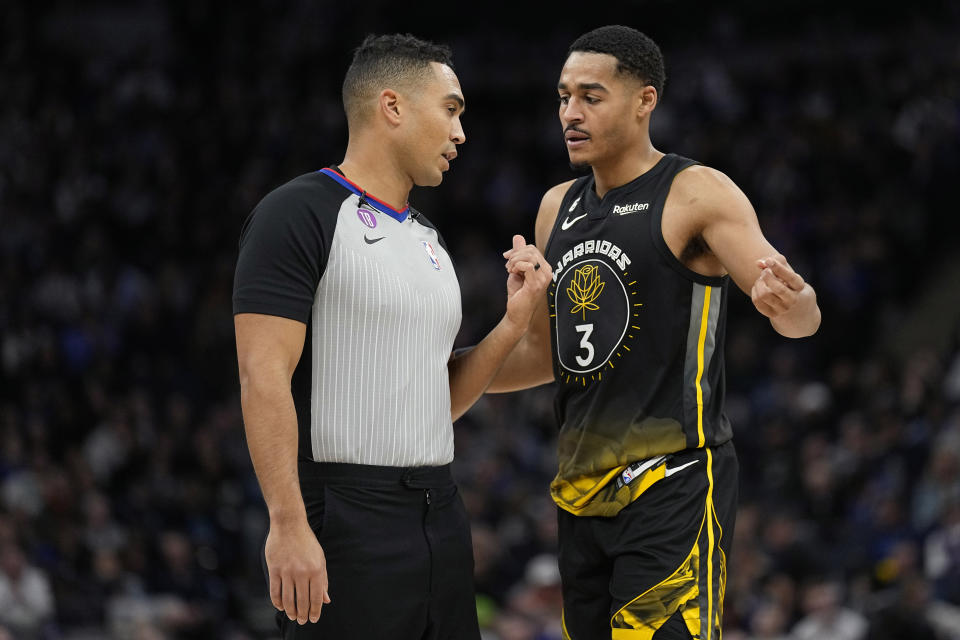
669, 472
567, 222
373, 240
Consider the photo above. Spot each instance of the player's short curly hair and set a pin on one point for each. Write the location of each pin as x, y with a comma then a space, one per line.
636, 53
388, 61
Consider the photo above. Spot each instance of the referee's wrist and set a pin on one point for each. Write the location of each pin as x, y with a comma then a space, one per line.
511, 329
287, 517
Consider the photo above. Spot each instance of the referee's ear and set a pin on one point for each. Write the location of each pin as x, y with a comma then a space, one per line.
389, 103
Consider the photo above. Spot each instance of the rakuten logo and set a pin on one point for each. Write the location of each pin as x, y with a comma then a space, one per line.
630, 208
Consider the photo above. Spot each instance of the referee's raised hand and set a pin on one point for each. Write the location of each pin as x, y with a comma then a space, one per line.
530, 275
298, 571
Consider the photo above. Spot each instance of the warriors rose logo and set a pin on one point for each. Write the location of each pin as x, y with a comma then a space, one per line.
592, 304
585, 288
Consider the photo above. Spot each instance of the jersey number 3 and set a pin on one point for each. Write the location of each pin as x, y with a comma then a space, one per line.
586, 330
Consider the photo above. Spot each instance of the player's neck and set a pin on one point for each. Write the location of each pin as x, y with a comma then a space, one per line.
619, 171
377, 175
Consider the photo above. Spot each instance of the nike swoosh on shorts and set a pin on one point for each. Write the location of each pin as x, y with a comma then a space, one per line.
669, 472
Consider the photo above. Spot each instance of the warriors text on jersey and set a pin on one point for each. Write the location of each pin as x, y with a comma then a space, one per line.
637, 343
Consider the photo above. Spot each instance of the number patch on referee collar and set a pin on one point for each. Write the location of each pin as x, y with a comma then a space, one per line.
367, 217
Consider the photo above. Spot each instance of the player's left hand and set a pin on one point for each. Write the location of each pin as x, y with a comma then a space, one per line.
528, 279
777, 288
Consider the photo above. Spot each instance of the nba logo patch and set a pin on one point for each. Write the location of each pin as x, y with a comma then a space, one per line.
431, 254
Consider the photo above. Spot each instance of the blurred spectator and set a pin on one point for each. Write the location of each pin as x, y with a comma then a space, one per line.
826, 616
538, 598
769, 622
940, 485
907, 615
942, 552
26, 600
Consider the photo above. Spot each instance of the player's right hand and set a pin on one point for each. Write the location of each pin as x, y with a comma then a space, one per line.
298, 571
776, 289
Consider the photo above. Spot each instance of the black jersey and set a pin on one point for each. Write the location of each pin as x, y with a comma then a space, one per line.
637, 344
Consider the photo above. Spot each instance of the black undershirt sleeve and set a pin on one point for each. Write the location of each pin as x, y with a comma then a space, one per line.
283, 247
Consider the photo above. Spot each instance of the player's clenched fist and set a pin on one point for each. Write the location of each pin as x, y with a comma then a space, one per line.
777, 288
528, 279
526, 261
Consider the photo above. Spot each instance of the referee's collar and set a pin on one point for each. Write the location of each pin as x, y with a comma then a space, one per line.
366, 198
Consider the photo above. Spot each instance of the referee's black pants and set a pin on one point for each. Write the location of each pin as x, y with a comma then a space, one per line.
398, 550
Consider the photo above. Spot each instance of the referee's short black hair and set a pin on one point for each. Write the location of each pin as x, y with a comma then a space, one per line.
381, 62
636, 53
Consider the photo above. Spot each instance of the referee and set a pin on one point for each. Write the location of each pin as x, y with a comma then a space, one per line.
346, 306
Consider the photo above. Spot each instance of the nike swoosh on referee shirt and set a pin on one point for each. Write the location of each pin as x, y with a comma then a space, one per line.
567, 222
373, 240
670, 472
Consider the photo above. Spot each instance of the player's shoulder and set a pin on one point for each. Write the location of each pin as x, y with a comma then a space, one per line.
550, 203
550, 207
556, 192
701, 181
708, 195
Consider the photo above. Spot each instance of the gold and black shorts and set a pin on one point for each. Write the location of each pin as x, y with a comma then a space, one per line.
657, 569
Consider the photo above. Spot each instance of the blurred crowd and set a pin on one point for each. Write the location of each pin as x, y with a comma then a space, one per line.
135, 138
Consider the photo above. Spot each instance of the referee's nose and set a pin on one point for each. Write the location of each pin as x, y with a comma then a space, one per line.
457, 136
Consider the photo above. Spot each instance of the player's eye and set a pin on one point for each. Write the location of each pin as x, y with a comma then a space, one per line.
591, 100
564, 99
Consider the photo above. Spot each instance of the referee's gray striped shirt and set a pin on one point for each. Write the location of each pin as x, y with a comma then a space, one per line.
378, 292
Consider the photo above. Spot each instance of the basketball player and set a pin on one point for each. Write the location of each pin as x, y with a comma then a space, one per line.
632, 330
346, 308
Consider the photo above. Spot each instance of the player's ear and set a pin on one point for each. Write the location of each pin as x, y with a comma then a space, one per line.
647, 100
389, 106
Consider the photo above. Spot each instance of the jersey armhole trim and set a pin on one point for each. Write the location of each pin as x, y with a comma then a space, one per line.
656, 233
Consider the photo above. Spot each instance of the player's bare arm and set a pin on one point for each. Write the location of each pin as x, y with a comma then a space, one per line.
710, 225
529, 364
268, 349
472, 371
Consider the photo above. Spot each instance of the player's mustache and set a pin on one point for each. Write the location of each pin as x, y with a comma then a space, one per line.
573, 127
